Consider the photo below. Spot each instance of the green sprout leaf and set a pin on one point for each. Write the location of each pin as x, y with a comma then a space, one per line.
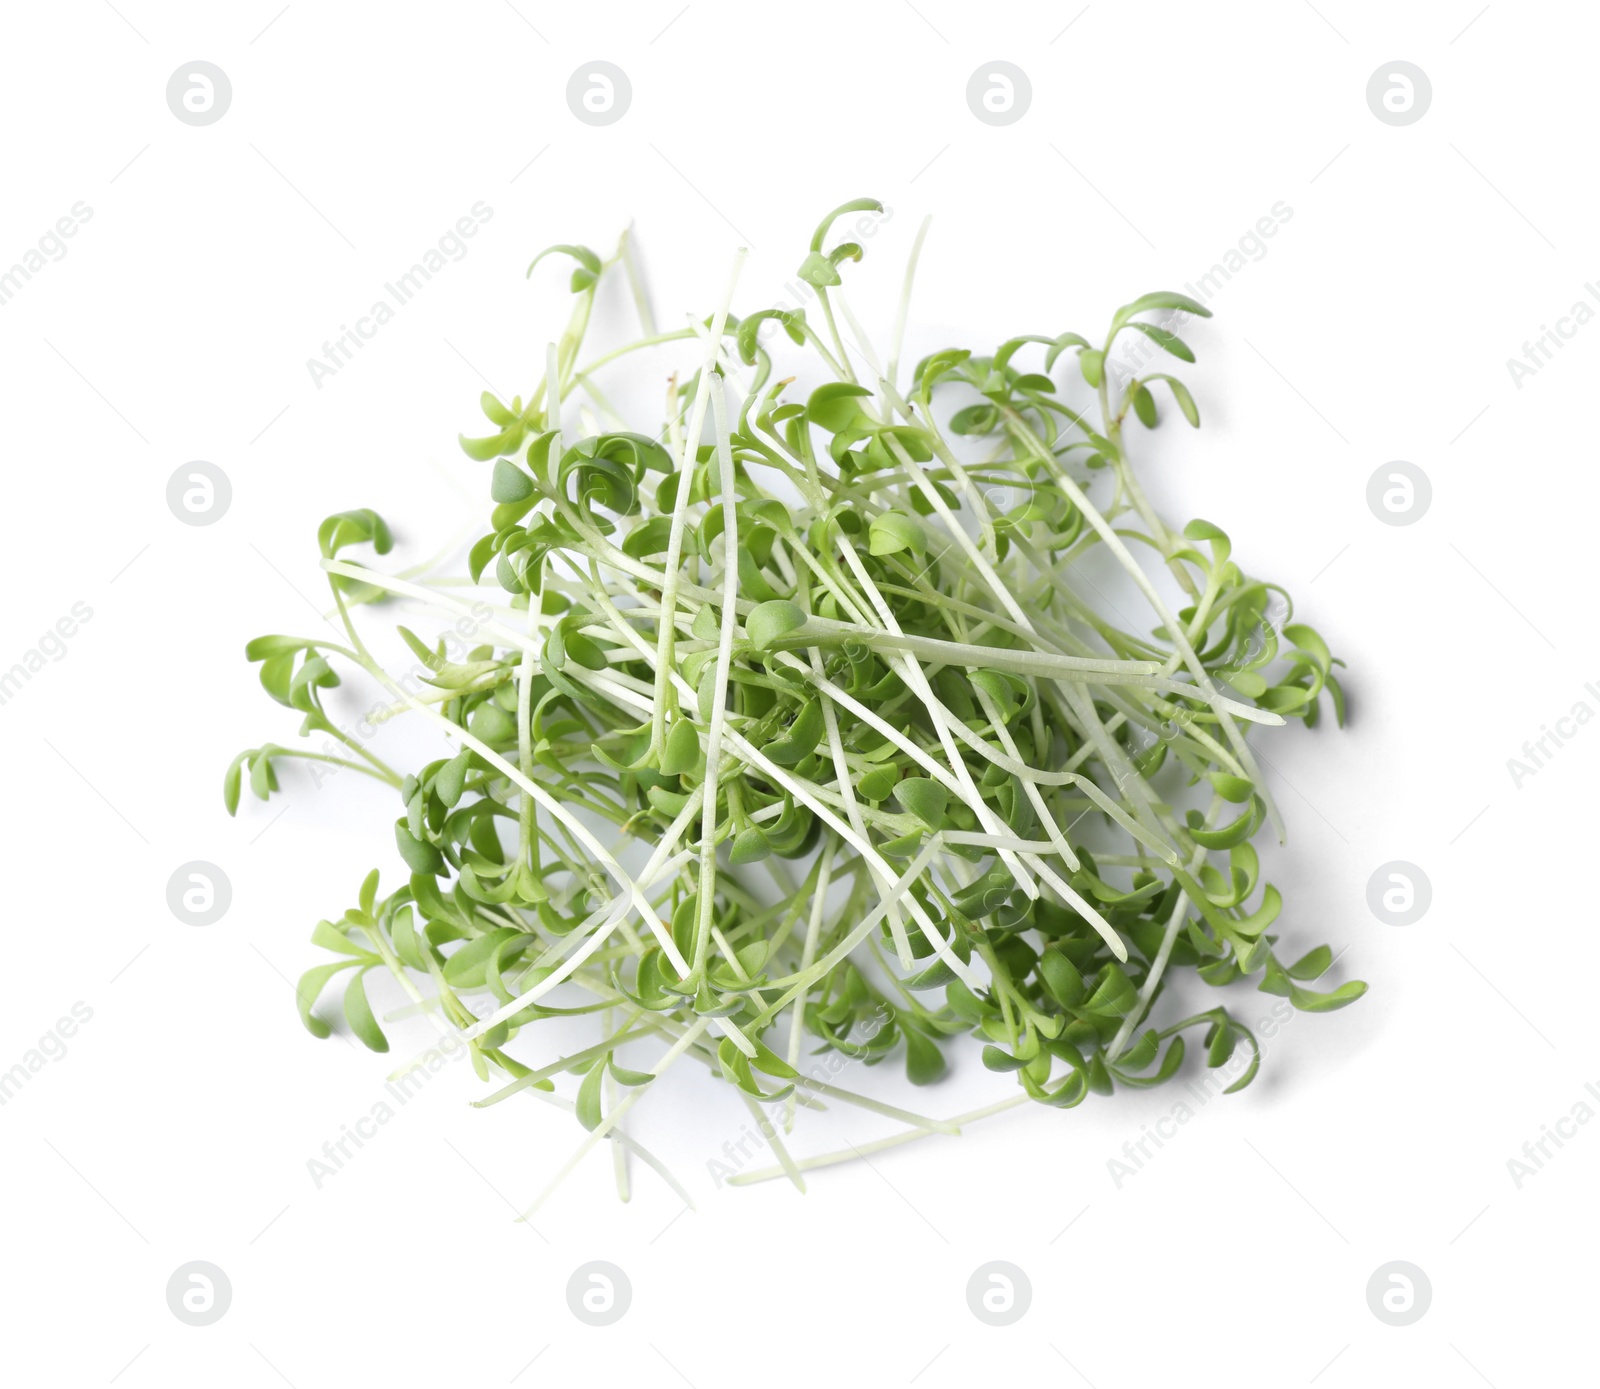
893, 532
768, 623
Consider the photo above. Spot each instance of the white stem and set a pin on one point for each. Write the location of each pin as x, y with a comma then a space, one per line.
719, 682
865, 1150
905, 300
808, 955
612, 916
684, 466
611, 1120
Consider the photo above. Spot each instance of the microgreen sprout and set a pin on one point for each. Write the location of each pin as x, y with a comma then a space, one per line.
828, 673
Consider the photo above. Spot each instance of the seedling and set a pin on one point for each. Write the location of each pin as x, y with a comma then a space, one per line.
902, 784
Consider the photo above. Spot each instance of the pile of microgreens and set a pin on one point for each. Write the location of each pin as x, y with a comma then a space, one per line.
886, 773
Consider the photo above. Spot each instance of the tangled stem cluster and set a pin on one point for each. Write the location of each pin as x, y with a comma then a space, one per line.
795, 729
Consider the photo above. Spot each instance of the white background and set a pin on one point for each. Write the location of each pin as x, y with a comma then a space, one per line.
179, 1122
